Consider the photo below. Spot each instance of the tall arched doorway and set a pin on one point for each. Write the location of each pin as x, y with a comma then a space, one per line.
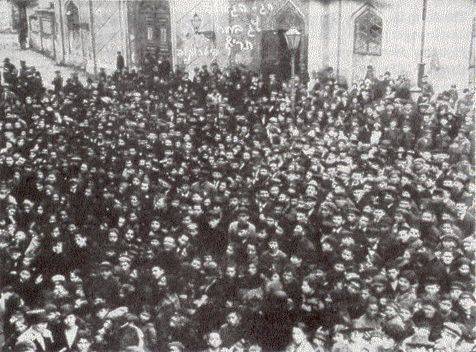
153, 30
275, 54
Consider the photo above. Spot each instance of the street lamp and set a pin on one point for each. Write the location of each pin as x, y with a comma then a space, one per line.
421, 65
196, 22
293, 38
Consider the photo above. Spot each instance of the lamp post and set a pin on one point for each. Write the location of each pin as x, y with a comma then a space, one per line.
293, 38
421, 65
196, 22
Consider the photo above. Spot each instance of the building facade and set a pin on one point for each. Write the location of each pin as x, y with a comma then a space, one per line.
346, 35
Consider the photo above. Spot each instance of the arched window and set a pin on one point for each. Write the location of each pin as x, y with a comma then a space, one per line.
72, 16
368, 34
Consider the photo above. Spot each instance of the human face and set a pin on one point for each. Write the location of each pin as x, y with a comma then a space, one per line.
106, 273
429, 311
162, 281
41, 327
347, 255
233, 319
3, 193
427, 216
464, 269
390, 312
372, 310
306, 288
196, 264
466, 303
169, 243
445, 305
113, 237
70, 320
455, 292
447, 258
337, 220
25, 275
214, 340
125, 265
403, 284
339, 267
155, 225
230, 271
80, 240
273, 245
392, 273
134, 201
83, 345
183, 240
243, 218
58, 248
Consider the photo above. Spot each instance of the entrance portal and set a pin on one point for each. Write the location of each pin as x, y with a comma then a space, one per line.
153, 31
275, 54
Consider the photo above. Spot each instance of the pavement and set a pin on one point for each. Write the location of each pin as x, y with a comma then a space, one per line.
10, 48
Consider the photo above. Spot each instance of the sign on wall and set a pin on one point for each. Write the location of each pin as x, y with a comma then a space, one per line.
243, 34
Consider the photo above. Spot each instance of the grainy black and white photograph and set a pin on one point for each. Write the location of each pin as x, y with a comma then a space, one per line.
237, 175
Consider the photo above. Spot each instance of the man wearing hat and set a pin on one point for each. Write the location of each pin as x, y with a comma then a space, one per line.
105, 286
320, 340
466, 310
299, 341
242, 228
57, 82
9, 72
419, 342
24, 346
84, 342
37, 333
176, 346
405, 295
371, 318
129, 334
450, 338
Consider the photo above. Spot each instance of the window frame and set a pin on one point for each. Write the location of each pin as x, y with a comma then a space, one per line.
371, 19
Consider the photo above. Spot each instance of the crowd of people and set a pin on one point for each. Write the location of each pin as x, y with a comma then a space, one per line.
148, 210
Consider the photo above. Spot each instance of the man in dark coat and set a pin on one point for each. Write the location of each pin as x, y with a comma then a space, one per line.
120, 63
105, 286
38, 334
9, 72
58, 82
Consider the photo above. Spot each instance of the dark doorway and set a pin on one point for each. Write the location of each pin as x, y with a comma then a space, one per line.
285, 63
275, 55
154, 32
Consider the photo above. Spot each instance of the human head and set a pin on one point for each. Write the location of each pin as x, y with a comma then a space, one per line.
214, 339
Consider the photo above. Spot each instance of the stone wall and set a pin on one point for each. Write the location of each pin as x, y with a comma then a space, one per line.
251, 21
193, 49
42, 32
447, 46
108, 32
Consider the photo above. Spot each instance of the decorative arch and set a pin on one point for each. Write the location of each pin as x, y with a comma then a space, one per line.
284, 17
368, 29
275, 54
